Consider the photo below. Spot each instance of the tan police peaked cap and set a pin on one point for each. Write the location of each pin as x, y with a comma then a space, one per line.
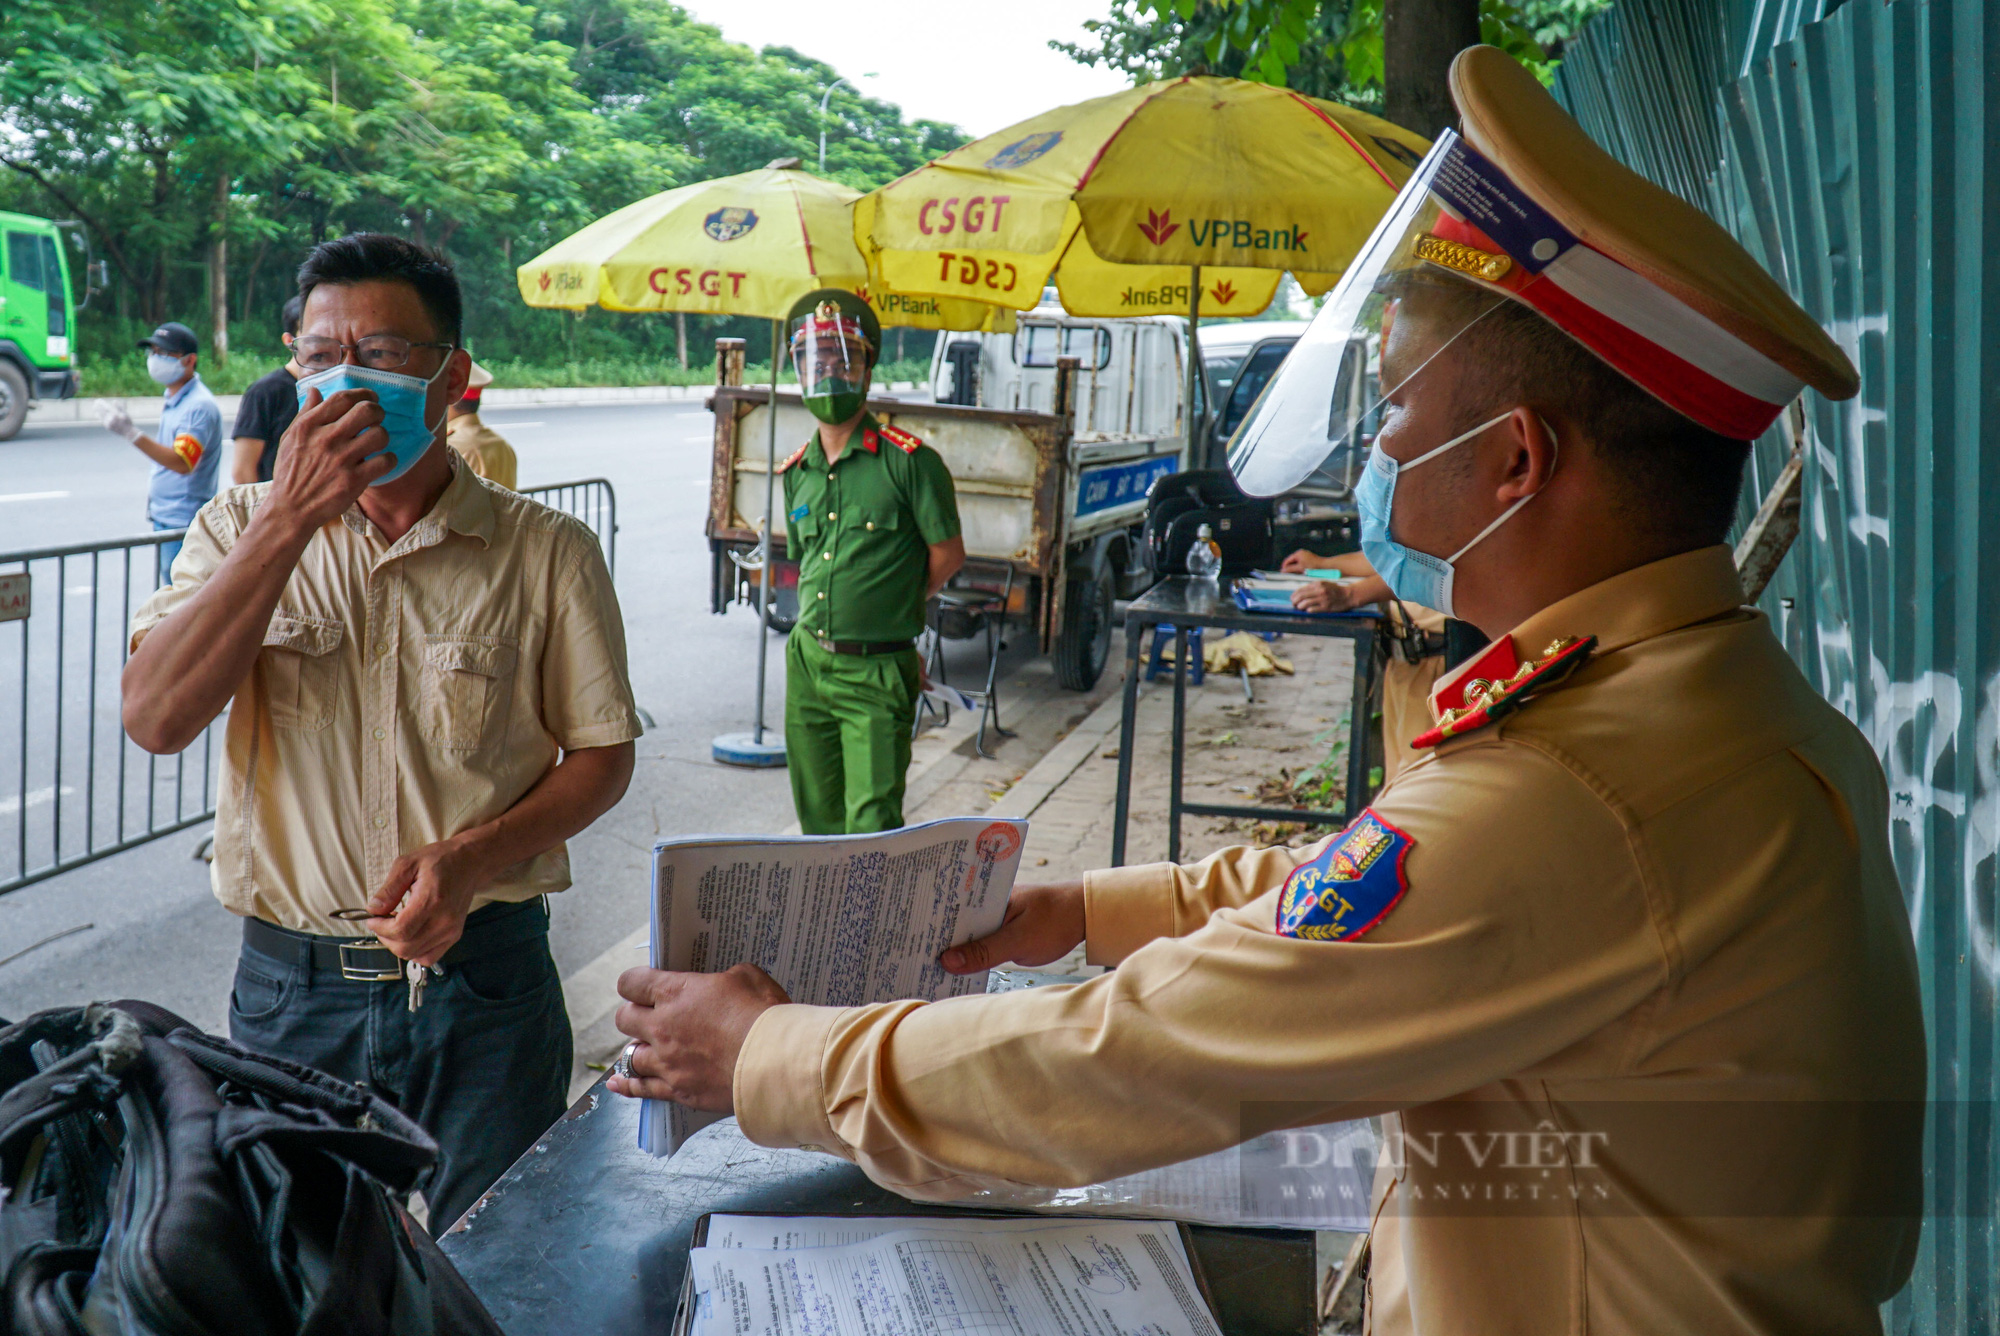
1707, 330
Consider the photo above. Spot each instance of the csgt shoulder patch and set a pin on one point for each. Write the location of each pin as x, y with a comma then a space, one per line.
1350, 887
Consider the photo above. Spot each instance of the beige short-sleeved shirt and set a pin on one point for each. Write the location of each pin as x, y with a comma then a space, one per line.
1406, 689
1663, 886
406, 692
483, 448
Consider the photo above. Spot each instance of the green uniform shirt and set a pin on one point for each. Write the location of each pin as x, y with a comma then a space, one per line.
861, 532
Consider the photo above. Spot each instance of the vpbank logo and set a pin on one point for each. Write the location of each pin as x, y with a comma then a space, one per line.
729, 224
1159, 226
545, 280
1024, 151
1223, 292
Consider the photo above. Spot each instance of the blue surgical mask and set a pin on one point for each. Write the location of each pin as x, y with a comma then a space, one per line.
1414, 577
402, 400
164, 367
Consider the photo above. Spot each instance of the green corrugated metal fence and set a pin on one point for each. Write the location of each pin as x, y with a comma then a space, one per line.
1857, 153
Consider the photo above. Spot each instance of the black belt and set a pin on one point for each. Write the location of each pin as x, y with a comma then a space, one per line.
862, 646
365, 960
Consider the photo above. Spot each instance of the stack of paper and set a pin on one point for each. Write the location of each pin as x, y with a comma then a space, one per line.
918, 1276
837, 920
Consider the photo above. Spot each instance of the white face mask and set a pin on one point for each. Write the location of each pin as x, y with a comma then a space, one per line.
164, 367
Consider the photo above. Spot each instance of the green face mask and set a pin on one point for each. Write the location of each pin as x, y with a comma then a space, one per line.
831, 352
835, 406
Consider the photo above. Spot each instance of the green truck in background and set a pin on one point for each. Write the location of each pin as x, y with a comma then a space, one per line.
37, 319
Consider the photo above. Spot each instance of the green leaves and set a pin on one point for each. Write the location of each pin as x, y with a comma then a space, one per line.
490, 127
1327, 48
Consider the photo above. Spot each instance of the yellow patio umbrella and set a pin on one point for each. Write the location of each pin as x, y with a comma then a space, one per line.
1188, 194
746, 245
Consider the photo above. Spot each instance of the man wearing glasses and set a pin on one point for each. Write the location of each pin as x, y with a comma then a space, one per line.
430, 696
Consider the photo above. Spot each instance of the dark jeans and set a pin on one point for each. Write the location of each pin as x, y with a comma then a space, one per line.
483, 1065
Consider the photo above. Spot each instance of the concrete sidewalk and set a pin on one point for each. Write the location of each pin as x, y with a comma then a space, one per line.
1233, 747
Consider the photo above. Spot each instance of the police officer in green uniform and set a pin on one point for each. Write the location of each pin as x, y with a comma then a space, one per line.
872, 520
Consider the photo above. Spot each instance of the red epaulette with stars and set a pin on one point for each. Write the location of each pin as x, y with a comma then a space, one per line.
795, 456
1497, 683
896, 436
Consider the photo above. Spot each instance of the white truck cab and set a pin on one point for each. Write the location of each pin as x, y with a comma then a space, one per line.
1129, 372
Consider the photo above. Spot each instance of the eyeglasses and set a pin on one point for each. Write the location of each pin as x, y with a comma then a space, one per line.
380, 352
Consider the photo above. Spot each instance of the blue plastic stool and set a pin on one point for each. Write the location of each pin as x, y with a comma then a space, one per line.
1156, 662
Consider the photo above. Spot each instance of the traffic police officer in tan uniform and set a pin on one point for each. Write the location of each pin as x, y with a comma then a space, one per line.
872, 520
476, 443
1623, 954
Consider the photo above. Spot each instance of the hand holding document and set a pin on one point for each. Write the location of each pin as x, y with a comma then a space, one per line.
836, 920
929, 1276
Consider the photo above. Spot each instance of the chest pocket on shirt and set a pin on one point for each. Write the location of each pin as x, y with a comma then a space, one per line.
463, 703
870, 520
300, 671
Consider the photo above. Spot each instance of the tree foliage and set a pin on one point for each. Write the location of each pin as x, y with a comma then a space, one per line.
491, 128
1325, 48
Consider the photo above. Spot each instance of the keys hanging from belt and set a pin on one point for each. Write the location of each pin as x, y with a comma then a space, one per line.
416, 975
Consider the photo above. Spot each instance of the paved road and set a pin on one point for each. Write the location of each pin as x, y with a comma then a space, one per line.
158, 932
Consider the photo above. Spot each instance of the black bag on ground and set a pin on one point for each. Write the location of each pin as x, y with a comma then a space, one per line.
1180, 503
158, 1181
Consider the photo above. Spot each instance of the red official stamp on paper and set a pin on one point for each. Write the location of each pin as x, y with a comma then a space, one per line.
997, 842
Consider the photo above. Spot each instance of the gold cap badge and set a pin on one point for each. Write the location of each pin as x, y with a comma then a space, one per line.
1456, 255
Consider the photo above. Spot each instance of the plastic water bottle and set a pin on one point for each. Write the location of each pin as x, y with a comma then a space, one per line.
1204, 558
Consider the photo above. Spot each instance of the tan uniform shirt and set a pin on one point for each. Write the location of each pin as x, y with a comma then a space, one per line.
1406, 692
405, 692
483, 448
1667, 880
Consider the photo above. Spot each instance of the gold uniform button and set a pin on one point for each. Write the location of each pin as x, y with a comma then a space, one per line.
831, 515
380, 734
871, 524
822, 593
826, 556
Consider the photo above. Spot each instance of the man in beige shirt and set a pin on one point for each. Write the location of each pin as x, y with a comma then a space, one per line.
1622, 958
429, 696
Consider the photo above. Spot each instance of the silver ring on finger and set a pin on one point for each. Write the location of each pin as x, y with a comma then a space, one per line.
623, 1067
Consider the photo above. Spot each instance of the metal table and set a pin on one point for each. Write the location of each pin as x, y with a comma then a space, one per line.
1185, 602
589, 1234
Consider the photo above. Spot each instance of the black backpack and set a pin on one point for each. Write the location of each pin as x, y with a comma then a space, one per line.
158, 1181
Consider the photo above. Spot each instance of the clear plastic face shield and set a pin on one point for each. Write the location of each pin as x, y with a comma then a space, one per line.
1408, 296
831, 353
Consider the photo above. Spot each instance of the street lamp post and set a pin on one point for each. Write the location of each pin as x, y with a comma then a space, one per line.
823, 119
822, 116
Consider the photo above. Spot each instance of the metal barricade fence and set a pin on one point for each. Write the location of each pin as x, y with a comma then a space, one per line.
73, 787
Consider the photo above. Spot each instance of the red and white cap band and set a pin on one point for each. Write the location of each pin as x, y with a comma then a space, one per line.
1654, 339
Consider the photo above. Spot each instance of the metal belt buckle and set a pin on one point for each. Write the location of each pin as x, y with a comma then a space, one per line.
365, 973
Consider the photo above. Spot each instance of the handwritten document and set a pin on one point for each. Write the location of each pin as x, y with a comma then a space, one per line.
885, 1276
837, 920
